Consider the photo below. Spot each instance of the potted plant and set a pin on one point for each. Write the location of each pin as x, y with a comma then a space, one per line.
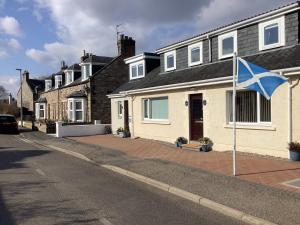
205, 144
126, 132
180, 141
294, 148
120, 131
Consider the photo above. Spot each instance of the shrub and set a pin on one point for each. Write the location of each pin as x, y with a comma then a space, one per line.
294, 146
107, 130
120, 129
182, 140
205, 141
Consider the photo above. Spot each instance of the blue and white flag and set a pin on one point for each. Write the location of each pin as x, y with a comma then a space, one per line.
253, 77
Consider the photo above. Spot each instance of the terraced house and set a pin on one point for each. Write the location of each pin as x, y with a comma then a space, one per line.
78, 93
190, 93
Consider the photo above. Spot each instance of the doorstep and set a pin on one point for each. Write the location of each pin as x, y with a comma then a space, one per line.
192, 146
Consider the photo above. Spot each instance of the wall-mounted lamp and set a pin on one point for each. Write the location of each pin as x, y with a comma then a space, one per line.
186, 103
204, 102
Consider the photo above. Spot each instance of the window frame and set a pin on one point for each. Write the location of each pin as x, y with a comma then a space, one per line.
58, 78
166, 63
136, 65
72, 112
190, 48
69, 74
38, 110
258, 110
281, 33
221, 38
83, 71
48, 85
120, 109
148, 109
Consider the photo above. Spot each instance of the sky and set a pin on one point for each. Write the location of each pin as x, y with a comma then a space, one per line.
36, 35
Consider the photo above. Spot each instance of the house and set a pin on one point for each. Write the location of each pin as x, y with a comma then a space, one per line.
30, 89
79, 93
190, 93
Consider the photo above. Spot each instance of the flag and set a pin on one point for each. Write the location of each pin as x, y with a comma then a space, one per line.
253, 77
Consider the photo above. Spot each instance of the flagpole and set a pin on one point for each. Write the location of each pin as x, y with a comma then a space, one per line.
234, 111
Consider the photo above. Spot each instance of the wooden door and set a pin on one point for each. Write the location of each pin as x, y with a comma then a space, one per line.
126, 116
196, 116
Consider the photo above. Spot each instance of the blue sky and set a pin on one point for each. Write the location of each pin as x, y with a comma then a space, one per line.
37, 34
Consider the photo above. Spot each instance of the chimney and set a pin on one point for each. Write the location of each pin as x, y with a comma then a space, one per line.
84, 56
126, 46
25, 75
63, 65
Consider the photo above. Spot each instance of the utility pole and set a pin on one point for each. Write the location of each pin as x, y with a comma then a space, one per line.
21, 108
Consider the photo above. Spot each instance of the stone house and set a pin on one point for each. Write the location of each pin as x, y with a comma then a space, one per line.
79, 93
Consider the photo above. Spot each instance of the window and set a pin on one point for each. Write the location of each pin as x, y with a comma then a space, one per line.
195, 54
69, 77
58, 81
155, 108
76, 109
227, 44
40, 110
48, 85
170, 61
251, 107
120, 109
86, 71
272, 34
137, 70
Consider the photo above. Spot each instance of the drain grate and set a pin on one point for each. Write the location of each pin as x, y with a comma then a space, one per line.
293, 183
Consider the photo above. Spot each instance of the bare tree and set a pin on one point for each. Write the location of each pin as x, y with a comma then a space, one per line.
3, 91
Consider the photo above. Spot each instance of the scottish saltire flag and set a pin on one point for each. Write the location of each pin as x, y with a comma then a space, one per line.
253, 77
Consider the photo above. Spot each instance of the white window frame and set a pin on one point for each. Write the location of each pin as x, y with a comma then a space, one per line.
259, 122
190, 47
137, 69
48, 85
38, 109
83, 71
120, 109
58, 79
69, 74
148, 109
220, 44
281, 33
166, 63
72, 113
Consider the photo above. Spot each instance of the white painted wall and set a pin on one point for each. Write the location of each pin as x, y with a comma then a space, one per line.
79, 130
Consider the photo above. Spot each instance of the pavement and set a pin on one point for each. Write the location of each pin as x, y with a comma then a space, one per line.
277, 205
39, 185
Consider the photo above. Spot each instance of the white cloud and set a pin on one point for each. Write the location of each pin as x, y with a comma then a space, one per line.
14, 44
10, 26
9, 47
10, 82
3, 54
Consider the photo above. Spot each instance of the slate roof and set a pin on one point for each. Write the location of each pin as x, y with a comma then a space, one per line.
277, 59
230, 24
98, 59
74, 67
36, 83
77, 94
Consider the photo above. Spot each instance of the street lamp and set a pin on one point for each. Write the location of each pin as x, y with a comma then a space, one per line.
21, 108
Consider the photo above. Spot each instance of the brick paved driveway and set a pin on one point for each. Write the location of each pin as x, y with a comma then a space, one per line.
264, 170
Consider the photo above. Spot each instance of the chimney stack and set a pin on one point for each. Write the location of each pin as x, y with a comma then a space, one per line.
126, 46
84, 56
63, 65
25, 75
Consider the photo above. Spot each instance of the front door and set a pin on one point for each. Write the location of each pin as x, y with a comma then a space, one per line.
126, 118
196, 116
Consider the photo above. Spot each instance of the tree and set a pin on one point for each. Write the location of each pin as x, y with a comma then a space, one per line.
3, 91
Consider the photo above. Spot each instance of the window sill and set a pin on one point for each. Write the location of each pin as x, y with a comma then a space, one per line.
163, 122
271, 46
251, 126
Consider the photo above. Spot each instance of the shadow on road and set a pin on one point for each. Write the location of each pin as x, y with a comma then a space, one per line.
5, 215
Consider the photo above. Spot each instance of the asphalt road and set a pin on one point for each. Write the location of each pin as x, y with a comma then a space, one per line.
43, 186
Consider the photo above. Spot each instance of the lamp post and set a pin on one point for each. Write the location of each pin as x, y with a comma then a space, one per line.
21, 108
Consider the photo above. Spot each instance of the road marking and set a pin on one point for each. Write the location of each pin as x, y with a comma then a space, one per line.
39, 171
105, 222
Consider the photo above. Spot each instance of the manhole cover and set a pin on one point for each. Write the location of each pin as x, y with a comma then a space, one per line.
293, 183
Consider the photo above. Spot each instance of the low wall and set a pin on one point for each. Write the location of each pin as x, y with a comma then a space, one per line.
79, 130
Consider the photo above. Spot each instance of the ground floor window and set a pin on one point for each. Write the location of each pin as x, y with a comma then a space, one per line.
156, 108
76, 109
251, 107
40, 110
120, 109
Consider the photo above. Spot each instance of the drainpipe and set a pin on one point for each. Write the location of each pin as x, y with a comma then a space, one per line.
290, 113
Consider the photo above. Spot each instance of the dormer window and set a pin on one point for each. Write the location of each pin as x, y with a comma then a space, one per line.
137, 70
195, 54
86, 71
69, 76
58, 81
48, 85
227, 44
170, 61
272, 34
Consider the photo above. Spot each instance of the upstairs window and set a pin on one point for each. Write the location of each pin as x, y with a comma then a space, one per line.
58, 81
69, 77
48, 85
195, 54
272, 34
170, 61
137, 70
86, 71
227, 44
